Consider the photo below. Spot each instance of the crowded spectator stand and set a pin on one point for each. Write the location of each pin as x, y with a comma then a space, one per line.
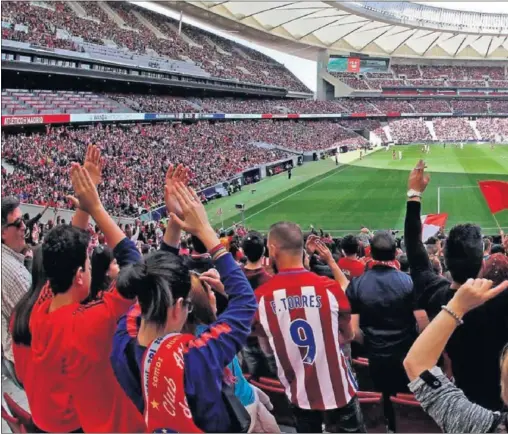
460, 301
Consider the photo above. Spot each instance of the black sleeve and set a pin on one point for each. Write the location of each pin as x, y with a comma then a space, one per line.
30, 223
425, 280
167, 248
352, 297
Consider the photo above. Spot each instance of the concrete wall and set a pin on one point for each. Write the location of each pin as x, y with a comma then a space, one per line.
66, 214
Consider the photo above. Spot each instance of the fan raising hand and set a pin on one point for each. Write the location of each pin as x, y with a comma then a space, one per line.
173, 175
195, 220
94, 164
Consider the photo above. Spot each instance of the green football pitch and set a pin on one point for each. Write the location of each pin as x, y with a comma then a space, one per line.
372, 192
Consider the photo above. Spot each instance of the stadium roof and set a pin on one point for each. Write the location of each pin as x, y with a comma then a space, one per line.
404, 29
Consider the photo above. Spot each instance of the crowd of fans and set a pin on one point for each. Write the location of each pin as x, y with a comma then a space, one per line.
470, 106
409, 130
453, 129
427, 75
146, 103
152, 317
43, 22
493, 129
135, 168
213, 152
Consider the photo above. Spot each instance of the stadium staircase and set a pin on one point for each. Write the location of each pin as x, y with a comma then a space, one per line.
213, 44
183, 35
112, 14
430, 126
42, 4
78, 10
476, 132
241, 53
388, 133
148, 25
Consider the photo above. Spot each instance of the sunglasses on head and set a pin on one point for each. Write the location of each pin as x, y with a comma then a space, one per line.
16, 223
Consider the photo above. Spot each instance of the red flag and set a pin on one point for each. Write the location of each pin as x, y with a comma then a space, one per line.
431, 224
495, 194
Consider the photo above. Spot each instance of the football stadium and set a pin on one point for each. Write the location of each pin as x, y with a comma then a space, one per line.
254, 216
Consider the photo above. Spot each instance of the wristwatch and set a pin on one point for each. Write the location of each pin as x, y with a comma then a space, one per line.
413, 193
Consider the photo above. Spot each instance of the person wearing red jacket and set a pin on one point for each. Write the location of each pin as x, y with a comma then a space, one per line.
350, 264
70, 384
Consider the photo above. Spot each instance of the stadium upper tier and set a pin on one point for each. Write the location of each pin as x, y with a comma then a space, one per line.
374, 28
399, 75
124, 33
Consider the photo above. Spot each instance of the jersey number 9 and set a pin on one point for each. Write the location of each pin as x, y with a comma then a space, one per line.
303, 336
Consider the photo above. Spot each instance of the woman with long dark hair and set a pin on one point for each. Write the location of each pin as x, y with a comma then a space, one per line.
20, 319
181, 373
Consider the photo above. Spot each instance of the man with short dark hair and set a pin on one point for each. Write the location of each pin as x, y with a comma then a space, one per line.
382, 305
474, 348
303, 315
253, 247
257, 353
16, 279
70, 384
350, 265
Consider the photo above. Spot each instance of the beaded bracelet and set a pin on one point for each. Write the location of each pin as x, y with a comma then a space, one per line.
457, 318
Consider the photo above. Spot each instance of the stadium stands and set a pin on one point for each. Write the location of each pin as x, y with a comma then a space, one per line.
21, 102
427, 76
224, 149
453, 129
409, 130
218, 56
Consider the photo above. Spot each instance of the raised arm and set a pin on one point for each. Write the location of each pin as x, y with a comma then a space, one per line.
213, 350
173, 231
424, 279
416, 253
228, 334
93, 164
88, 200
29, 224
326, 256
447, 404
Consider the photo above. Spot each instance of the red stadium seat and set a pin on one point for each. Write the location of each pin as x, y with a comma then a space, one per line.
372, 409
19, 412
361, 368
281, 405
410, 417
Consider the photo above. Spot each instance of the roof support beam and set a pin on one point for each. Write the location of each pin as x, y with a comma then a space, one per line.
329, 24
266, 10
217, 4
431, 44
348, 33
374, 38
488, 48
294, 19
404, 41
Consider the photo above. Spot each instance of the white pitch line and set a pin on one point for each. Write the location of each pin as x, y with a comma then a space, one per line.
298, 191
